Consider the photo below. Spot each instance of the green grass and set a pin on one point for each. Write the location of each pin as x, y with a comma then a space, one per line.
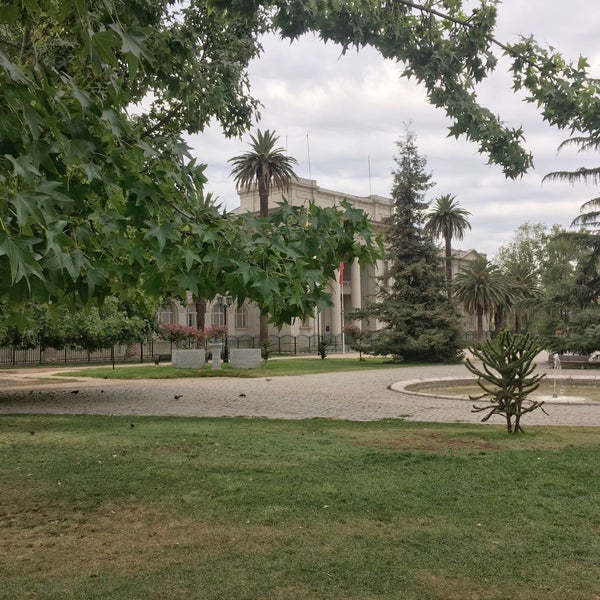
93, 507
272, 368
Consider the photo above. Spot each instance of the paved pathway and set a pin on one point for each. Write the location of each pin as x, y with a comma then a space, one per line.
362, 396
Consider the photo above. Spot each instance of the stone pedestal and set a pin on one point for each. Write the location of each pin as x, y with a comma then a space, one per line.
215, 348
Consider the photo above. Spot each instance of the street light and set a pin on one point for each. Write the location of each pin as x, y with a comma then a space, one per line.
225, 302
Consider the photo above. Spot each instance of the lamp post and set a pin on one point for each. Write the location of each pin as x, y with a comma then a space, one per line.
225, 302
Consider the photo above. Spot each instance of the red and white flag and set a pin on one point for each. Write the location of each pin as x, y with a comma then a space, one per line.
341, 273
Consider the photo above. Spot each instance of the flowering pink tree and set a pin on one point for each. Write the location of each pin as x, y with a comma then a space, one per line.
181, 335
218, 332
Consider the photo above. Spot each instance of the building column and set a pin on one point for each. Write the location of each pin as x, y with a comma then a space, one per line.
336, 309
355, 287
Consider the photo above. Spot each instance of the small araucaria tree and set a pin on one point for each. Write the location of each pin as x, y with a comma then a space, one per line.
507, 377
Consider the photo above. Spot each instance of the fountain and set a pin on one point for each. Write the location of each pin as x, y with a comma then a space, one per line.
558, 390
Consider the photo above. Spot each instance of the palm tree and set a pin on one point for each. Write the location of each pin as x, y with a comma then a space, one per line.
523, 280
265, 165
448, 221
482, 288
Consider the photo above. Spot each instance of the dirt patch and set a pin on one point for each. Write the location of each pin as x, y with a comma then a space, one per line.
432, 441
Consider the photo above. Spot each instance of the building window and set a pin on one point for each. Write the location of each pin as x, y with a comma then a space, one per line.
166, 315
241, 318
191, 316
217, 314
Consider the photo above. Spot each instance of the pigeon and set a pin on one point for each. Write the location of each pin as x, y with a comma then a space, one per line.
242, 395
268, 379
177, 396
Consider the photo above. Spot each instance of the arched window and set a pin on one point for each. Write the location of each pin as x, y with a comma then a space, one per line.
217, 314
191, 317
241, 317
166, 315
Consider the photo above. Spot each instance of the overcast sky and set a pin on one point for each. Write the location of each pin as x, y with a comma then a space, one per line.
341, 116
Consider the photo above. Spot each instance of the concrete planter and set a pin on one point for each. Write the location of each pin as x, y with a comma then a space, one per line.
188, 359
244, 358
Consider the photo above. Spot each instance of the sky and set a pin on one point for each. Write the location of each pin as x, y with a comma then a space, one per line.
340, 116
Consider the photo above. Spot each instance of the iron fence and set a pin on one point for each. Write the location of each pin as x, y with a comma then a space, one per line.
147, 351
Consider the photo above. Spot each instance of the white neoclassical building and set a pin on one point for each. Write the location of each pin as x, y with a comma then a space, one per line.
358, 282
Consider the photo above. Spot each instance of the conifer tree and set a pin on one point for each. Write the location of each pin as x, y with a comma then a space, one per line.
421, 322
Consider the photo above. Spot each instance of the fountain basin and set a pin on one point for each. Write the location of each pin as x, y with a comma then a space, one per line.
559, 390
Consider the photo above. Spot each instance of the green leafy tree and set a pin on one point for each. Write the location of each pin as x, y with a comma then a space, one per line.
450, 48
96, 184
95, 200
588, 237
483, 289
543, 264
447, 220
421, 322
265, 165
507, 377
115, 322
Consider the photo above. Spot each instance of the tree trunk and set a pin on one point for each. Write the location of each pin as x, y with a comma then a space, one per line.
480, 325
263, 195
264, 329
200, 317
448, 241
517, 322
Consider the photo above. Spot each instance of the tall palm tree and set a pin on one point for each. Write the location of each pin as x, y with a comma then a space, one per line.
482, 288
447, 220
264, 165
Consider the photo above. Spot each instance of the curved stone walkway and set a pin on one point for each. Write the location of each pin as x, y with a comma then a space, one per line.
361, 396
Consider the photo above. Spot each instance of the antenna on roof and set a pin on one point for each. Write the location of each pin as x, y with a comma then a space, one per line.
312, 189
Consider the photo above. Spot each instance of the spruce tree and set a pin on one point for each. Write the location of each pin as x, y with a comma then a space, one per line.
421, 322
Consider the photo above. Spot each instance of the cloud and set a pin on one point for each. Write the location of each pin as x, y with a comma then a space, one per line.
341, 115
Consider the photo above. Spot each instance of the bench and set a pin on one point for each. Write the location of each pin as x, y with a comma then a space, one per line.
570, 360
161, 357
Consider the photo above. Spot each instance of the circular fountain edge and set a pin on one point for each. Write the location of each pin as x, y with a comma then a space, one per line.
404, 387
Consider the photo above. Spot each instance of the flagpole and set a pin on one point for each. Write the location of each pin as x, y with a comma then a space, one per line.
341, 280
342, 317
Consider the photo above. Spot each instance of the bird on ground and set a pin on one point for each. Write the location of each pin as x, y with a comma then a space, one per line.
242, 395
177, 396
74, 391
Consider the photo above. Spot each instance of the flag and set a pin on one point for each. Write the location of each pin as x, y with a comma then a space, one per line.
341, 273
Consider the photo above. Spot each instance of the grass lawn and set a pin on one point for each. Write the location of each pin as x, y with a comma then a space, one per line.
273, 367
103, 507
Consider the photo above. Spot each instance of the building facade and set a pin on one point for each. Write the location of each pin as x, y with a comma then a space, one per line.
358, 286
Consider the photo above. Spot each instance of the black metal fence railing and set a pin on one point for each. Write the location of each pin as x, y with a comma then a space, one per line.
148, 351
